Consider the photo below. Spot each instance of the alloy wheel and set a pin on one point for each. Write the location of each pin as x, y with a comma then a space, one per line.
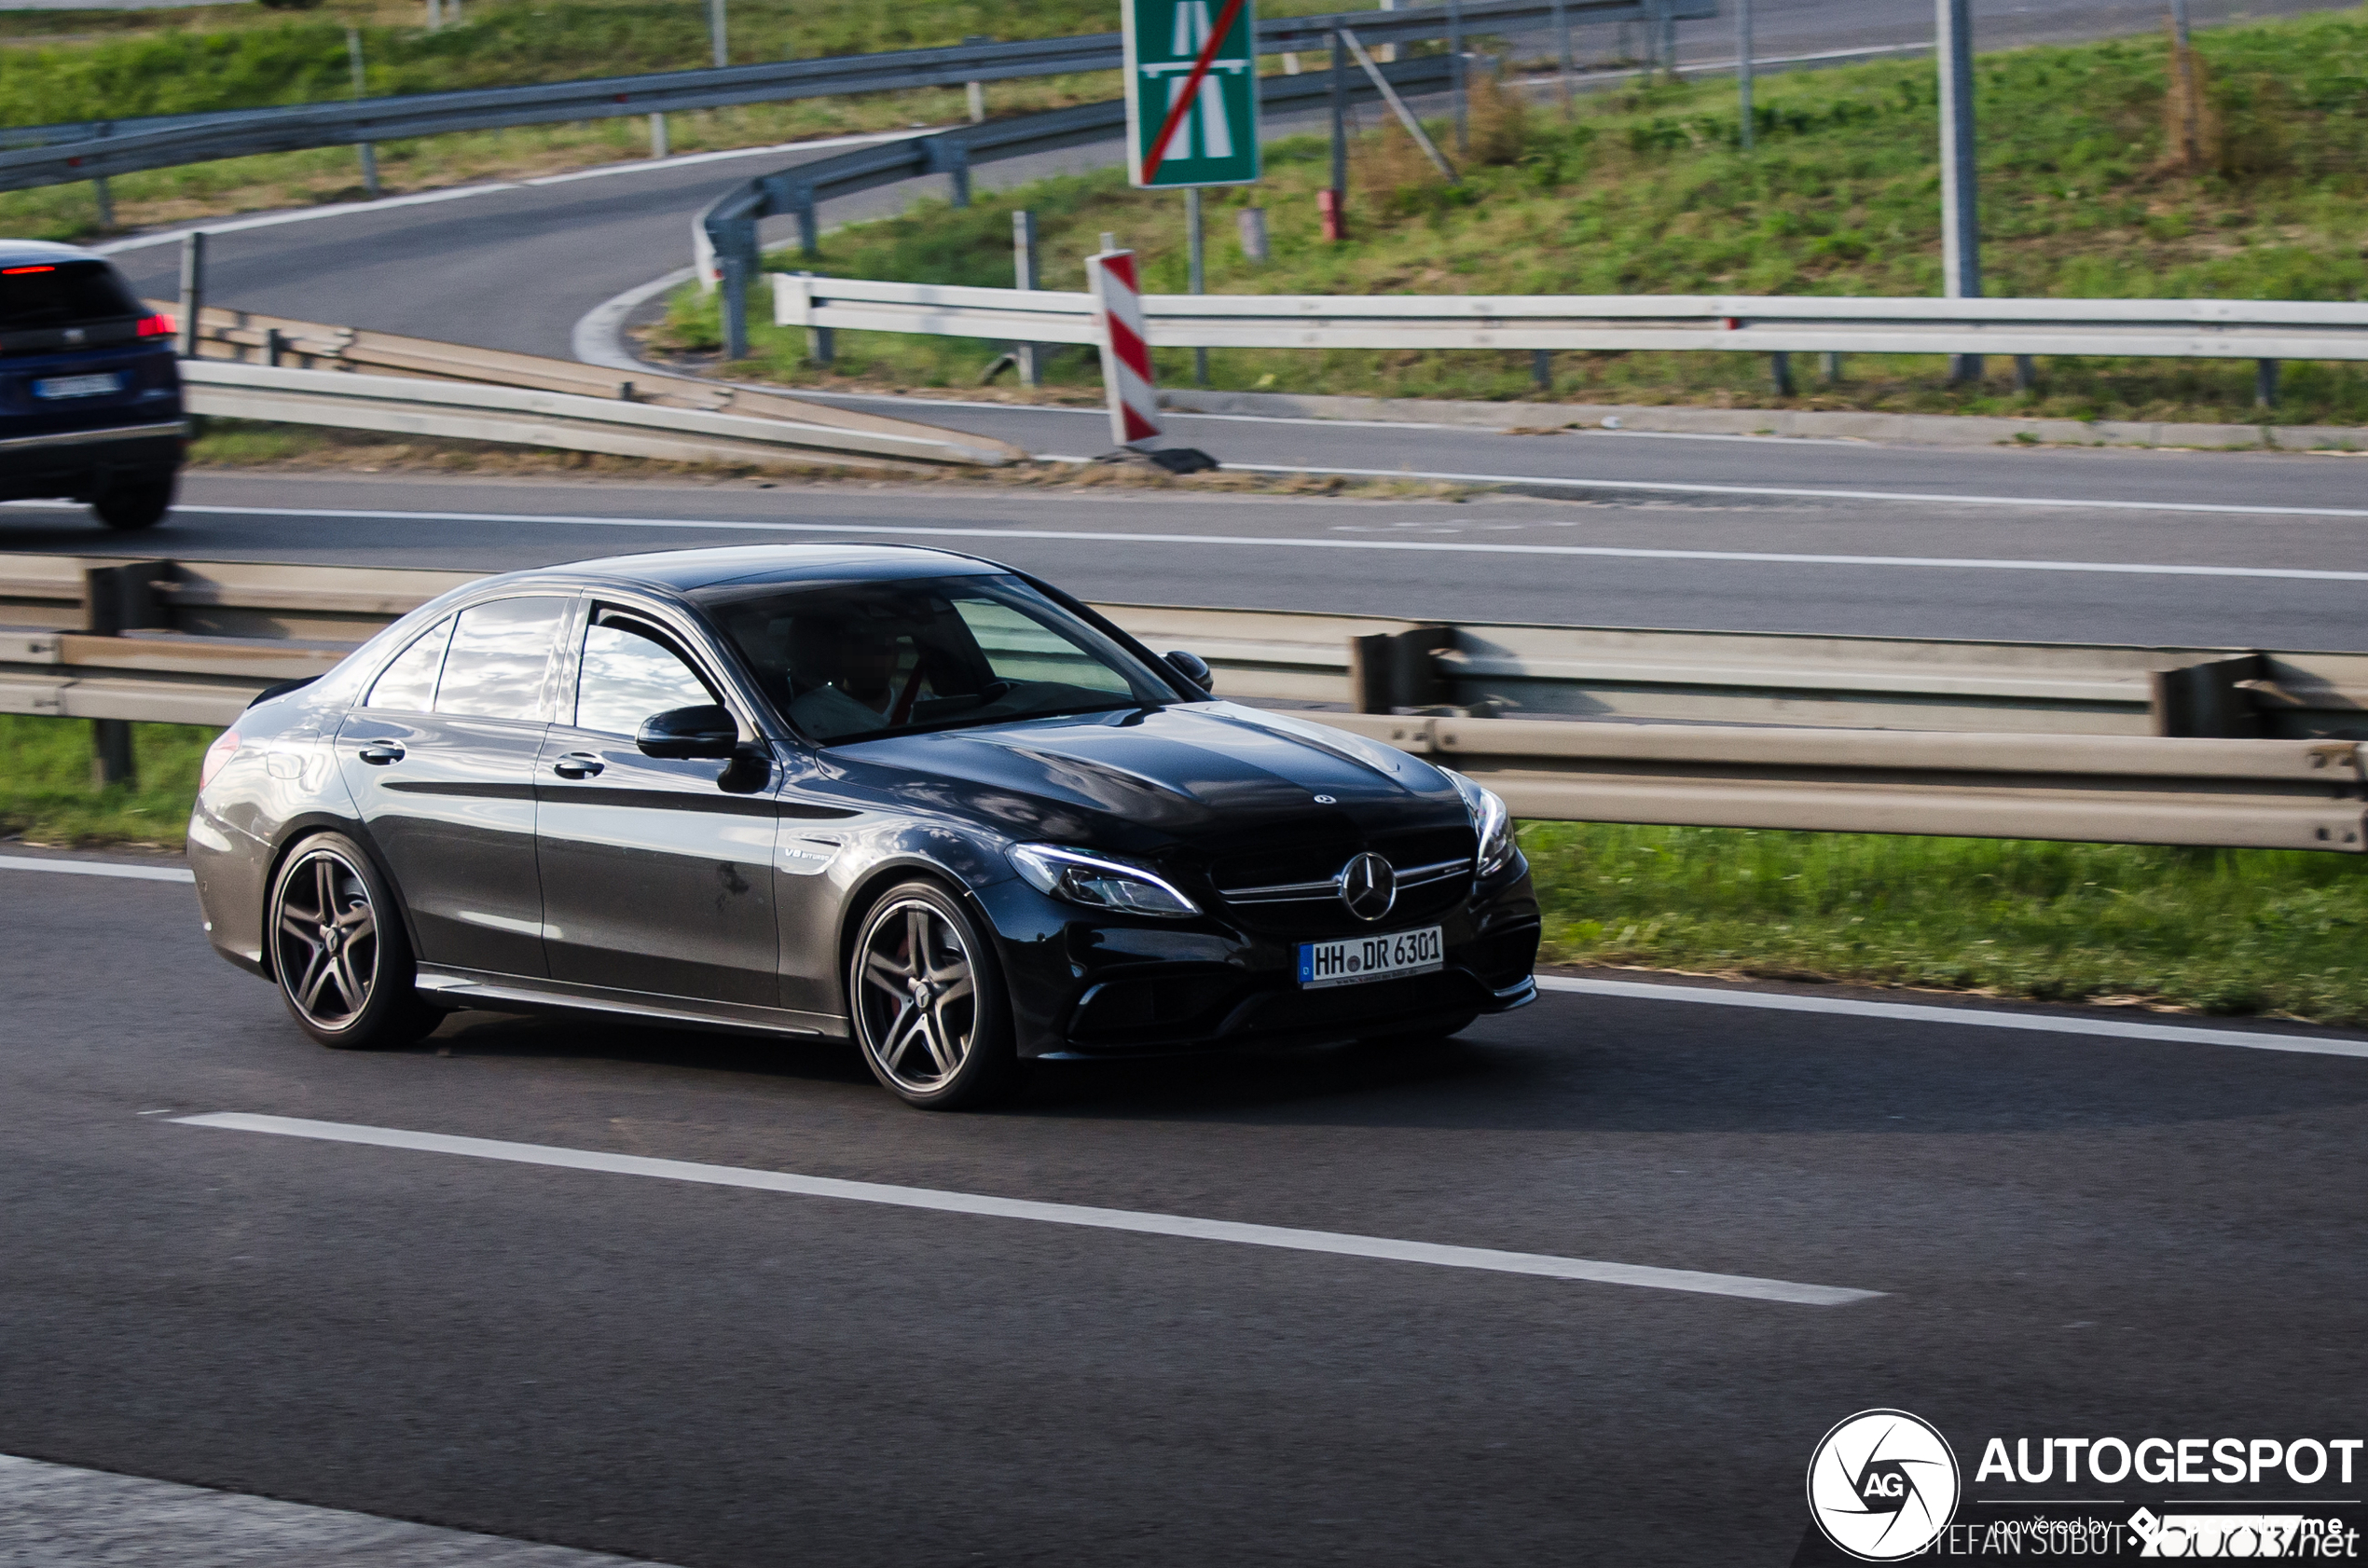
326, 940
916, 1005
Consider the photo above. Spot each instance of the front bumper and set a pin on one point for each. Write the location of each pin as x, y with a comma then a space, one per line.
1083, 985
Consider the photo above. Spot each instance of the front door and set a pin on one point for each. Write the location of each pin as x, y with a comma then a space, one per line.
658, 875
441, 759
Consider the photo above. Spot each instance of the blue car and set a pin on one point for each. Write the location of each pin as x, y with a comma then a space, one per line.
90, 388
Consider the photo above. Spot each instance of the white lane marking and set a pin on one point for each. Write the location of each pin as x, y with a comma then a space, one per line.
1667, 487
418, 198
599, 335
1285, 543
94, 1518
1139, 1221
1496, 430
99, 868
1908, 1013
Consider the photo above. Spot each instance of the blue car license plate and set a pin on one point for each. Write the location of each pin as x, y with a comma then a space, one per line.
1354, 960
78, 386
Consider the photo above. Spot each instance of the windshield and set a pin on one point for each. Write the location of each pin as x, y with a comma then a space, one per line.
852, 661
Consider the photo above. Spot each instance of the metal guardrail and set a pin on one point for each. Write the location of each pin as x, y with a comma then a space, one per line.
57, 153
191, 642
726, 232
273, 367
1733, 324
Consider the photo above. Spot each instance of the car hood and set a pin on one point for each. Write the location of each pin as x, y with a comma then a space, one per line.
1205, 776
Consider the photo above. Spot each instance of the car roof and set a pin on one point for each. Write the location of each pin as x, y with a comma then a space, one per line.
23, 250
684, 570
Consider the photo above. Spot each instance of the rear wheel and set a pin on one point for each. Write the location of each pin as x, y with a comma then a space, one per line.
134, 505
340, 950
928, 1000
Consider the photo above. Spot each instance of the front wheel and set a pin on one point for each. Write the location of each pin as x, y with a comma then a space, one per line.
928, 1000
138, 506
340, 950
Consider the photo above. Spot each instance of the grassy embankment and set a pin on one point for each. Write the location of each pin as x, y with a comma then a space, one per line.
77, 65
2235, 932
1648, 191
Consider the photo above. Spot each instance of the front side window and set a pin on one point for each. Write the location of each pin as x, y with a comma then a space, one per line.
409, 681
500, 653
854, 660
627, 675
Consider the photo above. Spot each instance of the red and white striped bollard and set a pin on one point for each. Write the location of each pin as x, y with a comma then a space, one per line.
1126, 351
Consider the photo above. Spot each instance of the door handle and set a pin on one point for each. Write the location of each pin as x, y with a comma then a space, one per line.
577, 765
381, 754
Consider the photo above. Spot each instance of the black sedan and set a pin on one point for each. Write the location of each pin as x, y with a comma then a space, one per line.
913, 797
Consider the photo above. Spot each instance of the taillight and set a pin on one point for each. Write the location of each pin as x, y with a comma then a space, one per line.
155, 326
220, 752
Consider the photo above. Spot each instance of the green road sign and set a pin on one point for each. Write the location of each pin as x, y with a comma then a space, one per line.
1191, 92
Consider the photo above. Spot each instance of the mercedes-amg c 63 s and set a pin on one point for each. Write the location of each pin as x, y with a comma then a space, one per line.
910, 797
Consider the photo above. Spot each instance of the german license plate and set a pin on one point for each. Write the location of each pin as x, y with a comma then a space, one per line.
78, 386
1354, 960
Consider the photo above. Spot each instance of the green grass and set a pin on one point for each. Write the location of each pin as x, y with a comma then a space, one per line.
2222, 931
1651, 192
47, 795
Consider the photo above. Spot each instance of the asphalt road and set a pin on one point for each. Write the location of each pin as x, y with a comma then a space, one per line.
2070, 1235
1731, 563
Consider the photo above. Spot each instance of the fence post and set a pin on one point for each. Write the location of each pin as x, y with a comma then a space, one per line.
1454, 77
192, 289
1026, 276
1744, 69
1336, 216
1960, 197
734, 303
1198, 268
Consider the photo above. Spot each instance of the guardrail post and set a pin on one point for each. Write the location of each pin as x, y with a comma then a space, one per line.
1197, 259
976, 91
369, 152
1251, 224
951, 159
822, 342
111, 757
657, 136
2026, 373
1833, 370
2207, 700
1393, 672
1780, 373
2264, 383
192, 289
1541, 369
98, 191
734, 305
1025, 275
1333, 201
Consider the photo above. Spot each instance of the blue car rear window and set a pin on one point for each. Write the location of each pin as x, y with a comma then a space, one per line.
34, 295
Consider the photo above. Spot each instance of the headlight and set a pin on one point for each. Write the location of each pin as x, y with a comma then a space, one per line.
1099, 883
1491, 821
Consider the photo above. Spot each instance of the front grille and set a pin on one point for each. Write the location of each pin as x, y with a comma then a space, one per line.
1297, 892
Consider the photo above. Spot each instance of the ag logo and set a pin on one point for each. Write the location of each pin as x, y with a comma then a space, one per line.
1882, 1485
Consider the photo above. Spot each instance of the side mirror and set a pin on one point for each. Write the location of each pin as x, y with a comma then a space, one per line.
682, 733
1192, 667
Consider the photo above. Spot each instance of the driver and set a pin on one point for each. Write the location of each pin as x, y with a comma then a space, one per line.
849, 673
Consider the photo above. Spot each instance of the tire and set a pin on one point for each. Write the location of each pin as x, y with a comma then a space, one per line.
340, 951
135, 504
936, 1034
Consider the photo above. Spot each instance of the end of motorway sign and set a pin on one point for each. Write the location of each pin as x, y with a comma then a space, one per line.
1191, 92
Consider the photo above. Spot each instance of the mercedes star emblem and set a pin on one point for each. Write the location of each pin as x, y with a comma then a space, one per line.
1369, 887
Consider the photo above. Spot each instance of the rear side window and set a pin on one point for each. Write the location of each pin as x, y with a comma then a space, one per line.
34, 295
409, 681
500, 655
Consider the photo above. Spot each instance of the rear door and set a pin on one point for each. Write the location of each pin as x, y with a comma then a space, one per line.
441, 758
657, 874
